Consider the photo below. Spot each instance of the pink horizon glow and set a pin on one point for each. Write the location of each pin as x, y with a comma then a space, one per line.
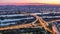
27, 2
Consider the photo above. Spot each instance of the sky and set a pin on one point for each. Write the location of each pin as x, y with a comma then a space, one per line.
30, 1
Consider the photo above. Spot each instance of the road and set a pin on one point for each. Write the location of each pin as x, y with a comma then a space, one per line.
30, 25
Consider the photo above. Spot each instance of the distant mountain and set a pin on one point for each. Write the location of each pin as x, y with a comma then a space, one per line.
22, 4
28, 4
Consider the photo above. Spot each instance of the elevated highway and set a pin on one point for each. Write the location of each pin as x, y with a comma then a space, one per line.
30, 25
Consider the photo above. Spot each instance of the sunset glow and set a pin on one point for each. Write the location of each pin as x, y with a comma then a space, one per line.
30, 1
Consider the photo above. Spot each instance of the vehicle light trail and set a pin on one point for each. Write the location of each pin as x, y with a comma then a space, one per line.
41, 21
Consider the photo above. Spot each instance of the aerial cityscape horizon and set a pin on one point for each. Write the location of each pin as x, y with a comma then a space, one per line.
29, 16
